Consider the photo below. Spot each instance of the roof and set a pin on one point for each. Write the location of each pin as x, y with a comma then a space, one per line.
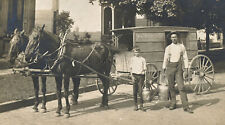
164, 28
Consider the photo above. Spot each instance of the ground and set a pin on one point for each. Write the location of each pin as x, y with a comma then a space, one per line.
209, 109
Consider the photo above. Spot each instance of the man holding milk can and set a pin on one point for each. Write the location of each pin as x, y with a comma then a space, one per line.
175, 56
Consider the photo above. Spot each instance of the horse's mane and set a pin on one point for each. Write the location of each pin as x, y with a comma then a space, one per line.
113, 49
52, 37
46, 34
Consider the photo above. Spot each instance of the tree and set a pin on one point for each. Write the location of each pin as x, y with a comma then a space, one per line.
220, 17
207, 14
63, 22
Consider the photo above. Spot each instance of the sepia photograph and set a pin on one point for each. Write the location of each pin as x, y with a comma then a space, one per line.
112, 62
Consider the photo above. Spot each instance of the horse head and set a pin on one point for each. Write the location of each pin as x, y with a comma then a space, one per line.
18, 44
33, 46
40, 43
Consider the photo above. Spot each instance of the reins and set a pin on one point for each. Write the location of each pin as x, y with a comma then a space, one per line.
86, 66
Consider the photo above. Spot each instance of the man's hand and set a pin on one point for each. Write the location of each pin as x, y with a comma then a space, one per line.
164, 70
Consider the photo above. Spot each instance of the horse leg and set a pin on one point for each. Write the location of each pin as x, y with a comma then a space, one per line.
43, 89
36, 90
76, 84
105, 83
58, 80
66, 91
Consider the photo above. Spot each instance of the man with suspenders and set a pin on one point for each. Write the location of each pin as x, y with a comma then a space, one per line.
176, 55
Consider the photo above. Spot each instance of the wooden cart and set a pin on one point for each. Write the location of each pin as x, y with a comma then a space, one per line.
152, 41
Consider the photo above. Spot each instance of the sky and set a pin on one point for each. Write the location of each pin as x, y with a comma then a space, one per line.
86, 16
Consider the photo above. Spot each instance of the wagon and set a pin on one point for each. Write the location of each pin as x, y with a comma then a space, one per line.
152, 41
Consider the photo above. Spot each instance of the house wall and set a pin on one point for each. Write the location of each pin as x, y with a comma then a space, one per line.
4, 6
15, 14
29, 15
44, 17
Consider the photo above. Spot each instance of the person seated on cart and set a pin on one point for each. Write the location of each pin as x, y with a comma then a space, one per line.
175, 56
138, 68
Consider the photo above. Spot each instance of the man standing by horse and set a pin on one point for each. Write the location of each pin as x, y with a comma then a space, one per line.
138, 68
176, 55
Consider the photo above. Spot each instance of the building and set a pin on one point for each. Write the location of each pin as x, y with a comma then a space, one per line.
113, 17
14, 14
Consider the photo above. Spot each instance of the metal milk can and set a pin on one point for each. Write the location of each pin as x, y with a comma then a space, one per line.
163, 88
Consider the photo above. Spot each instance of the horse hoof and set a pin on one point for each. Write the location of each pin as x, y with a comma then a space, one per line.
57, 114
35, 109
67, 115
101, 105
43, 110
74, 102
104, 106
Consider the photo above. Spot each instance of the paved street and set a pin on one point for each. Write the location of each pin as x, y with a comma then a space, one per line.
208, 109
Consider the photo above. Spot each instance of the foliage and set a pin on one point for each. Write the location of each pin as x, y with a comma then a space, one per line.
191, 13
201, 14
63, 22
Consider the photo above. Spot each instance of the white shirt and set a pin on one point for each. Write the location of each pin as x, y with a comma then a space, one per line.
173, 53
137, 65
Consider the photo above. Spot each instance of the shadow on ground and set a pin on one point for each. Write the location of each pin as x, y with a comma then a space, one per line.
204, 102
123, 100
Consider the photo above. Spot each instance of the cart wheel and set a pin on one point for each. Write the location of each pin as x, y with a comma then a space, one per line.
152, 76
201, 74
112, 86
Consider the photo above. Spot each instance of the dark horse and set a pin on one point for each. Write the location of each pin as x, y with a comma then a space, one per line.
18, 45
73, 60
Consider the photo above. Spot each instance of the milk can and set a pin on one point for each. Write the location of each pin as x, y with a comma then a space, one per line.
146, 94
163, 88
146, 90
163, 93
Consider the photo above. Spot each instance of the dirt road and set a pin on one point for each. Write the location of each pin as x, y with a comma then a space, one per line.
209, 109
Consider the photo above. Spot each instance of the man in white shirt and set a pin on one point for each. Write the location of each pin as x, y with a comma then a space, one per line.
176, 55
138, 68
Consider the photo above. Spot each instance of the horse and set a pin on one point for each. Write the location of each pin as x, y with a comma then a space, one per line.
73, 60
18, 45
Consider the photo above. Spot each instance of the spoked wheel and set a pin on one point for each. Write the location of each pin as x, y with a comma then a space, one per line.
112, 86
201, 74
151, 78
112, 82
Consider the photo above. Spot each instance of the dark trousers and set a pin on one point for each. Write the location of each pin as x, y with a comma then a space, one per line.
137, 88
175, 73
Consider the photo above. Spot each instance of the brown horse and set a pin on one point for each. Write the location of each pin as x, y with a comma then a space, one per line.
74, 60
18, 45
